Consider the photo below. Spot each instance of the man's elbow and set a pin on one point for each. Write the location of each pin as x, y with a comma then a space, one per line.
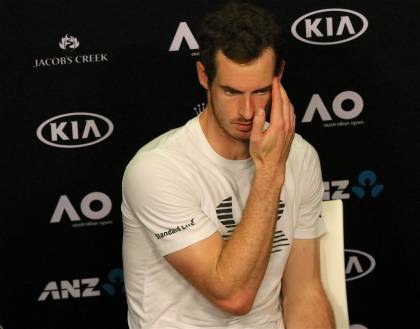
239, 304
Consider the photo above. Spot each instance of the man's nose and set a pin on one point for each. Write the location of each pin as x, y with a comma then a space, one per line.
247, 107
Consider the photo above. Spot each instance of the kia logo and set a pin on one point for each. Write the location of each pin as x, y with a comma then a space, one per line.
78, 129
358, 264
329, 26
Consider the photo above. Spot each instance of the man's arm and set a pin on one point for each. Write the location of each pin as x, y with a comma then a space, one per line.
305, 304
230, 273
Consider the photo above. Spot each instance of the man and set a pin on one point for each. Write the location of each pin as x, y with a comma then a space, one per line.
222, 216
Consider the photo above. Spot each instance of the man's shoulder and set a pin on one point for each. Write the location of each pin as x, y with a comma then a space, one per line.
164, 151
164, 140
301, 147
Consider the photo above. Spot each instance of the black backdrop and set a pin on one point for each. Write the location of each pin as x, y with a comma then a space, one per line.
101, 73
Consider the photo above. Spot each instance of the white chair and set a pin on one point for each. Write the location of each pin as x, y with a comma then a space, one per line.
332, 261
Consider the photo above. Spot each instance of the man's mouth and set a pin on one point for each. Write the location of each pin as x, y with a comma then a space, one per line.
244, 126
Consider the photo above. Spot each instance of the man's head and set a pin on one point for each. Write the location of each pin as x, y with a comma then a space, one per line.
241, 32
241, 51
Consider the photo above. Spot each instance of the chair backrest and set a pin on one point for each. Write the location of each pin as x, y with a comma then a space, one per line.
332, 261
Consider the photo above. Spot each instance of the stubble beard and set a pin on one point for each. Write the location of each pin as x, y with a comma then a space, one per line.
225, 131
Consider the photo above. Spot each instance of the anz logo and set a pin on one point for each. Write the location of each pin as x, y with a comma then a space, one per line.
115, 285
72, 130
64, 289
329, 26
84, 288
336, 189
368, 186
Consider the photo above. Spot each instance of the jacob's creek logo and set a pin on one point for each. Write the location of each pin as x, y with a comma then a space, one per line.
329, 26
358, 264
69, 44
84, 288
93, 208
174, 230
183, 33
78, 129
368, 186
347, 106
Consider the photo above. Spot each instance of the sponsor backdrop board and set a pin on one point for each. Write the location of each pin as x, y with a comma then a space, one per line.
85, 84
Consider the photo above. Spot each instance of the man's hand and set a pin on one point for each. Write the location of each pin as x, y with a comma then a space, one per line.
270, 149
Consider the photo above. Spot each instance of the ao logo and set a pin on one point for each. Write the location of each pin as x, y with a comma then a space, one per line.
317, 105
329, 26
64, 205
183, 32
358, 264
78, 129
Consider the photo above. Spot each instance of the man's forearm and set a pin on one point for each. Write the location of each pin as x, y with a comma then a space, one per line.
308, 311
244, 257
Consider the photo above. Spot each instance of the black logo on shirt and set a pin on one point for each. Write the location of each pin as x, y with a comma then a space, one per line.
225, 215
279, 238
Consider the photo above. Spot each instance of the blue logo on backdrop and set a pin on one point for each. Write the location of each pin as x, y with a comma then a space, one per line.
116, 278
367, 185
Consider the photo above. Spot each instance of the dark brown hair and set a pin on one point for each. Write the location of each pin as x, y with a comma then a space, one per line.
242, 32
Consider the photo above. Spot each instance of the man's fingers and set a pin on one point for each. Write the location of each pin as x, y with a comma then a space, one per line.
258, 126
276, 103
286, 108
292, 117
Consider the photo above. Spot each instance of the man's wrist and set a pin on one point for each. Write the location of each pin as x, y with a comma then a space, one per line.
274, 175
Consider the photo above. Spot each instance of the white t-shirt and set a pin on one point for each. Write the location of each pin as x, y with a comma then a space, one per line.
177, 191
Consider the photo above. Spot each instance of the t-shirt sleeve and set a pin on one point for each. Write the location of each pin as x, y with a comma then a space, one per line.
162, 197
310, 223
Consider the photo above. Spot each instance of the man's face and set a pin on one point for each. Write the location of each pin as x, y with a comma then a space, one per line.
238, 91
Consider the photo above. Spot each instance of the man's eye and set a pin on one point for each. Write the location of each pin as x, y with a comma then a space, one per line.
262, 92
229, 93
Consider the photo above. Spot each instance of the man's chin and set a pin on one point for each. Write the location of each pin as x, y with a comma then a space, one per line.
242, 136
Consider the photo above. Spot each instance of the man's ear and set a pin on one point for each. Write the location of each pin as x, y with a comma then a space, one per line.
202, 75
281, 69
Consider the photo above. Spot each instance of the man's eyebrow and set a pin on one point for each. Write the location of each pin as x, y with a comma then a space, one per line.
263, 89
230, 89
233, 90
